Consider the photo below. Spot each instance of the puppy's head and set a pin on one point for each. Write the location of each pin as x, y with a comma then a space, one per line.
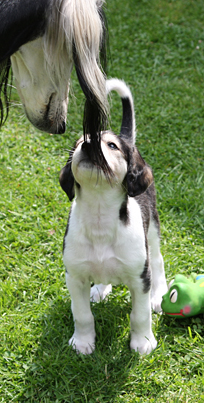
129, 170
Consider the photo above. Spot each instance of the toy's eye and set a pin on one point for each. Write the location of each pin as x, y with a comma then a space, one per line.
113, 146
173, 296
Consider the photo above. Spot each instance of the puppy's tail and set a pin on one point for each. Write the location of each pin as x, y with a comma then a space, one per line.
128, 127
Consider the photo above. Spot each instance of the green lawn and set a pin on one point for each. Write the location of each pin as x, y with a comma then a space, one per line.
157, 47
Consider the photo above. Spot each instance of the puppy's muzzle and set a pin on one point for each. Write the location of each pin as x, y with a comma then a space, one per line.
89, 153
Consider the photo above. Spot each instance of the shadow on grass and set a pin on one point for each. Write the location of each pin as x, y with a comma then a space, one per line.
112, 373
58, 374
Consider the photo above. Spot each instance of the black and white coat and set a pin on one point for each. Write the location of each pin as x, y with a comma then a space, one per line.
42, 40
113, 233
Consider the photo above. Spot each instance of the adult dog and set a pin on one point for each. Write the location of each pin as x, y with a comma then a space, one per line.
112, 234
42, 40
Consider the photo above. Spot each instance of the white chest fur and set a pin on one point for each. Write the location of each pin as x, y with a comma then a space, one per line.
100, 246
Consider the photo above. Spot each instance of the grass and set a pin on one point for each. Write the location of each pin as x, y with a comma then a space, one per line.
157, 47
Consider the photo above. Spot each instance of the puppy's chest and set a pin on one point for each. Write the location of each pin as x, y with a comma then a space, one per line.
103, 248
99, 262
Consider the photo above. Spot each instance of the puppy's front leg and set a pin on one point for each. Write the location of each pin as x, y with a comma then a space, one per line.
83, 339
142, 338
159, 286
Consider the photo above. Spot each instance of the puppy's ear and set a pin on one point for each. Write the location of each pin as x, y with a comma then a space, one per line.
139, 174
66, 179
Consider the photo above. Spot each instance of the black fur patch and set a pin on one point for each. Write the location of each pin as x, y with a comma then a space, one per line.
20, 22
146, 274
146, 277
124, 213
66, 231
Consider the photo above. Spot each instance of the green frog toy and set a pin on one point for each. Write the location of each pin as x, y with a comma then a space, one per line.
185, 297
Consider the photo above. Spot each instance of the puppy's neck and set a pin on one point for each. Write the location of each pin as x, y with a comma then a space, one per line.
97, 197
99, 209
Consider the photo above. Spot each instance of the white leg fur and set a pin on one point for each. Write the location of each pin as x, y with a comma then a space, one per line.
83, 339
159, 286
99, 292
142, 338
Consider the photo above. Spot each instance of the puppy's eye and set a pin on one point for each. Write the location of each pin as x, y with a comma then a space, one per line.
173, 296
113, 146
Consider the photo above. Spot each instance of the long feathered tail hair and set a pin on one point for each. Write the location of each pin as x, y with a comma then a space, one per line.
82, 31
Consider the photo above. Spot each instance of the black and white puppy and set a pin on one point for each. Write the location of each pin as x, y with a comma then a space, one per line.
113, 232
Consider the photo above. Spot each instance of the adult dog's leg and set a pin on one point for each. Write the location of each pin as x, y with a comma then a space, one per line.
83, 339
142, 338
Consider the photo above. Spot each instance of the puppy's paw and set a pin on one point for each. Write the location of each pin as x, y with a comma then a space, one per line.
82, 346
142, 344
156, 298
99, 292
156, 303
